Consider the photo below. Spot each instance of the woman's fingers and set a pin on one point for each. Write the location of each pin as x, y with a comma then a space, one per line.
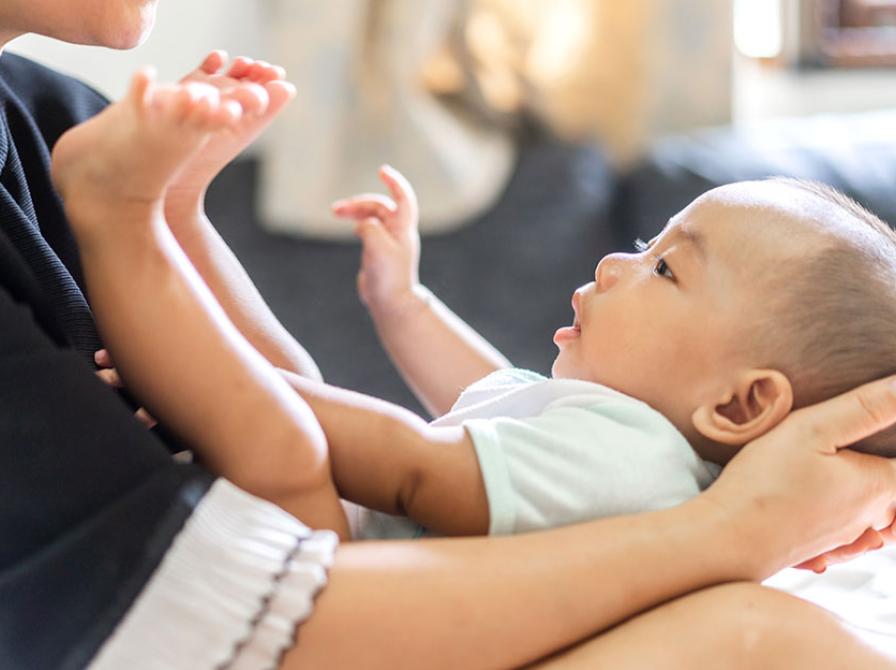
103, 359
818, 564
852, 416
145, 418
870, 540
111, 377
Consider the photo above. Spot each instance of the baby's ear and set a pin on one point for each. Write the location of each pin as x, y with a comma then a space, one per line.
757, 402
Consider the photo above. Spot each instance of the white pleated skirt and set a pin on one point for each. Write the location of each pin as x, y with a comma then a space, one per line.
238, 579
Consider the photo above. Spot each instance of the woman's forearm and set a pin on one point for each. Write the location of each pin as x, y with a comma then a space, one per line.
234, 290
501, 602
437, 353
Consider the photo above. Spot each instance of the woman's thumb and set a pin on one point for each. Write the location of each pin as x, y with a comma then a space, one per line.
854, 415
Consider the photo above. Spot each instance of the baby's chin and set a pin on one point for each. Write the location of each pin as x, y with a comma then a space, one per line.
561, 369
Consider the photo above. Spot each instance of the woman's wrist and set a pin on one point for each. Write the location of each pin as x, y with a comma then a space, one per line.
734, 538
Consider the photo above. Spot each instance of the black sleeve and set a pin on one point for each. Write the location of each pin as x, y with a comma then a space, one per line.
89, 500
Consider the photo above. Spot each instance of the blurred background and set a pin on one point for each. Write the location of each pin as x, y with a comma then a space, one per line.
539, 134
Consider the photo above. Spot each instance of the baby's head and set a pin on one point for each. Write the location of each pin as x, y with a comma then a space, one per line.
756, 299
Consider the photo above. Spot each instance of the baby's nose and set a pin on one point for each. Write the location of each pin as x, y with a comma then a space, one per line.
608, 271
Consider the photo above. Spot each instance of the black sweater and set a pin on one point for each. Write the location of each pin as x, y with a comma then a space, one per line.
89, 499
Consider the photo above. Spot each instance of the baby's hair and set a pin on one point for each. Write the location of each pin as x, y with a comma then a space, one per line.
835, 326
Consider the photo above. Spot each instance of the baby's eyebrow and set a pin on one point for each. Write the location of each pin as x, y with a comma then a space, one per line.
696, 239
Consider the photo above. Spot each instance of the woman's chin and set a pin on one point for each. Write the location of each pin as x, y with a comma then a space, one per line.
131, 31
130, 39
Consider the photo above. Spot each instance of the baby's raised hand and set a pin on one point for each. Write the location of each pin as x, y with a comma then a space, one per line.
264, 98
390, 239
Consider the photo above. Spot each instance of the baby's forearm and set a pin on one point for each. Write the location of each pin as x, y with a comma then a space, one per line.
437, 353
193, 369
388, 459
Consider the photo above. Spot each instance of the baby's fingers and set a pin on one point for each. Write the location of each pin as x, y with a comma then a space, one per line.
365, 206
401, 190
374, 238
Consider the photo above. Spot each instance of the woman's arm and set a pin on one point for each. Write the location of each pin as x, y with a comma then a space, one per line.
503, 602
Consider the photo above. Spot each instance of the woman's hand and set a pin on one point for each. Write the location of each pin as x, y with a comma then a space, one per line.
870, 540
390, 239
109, 374
797, 491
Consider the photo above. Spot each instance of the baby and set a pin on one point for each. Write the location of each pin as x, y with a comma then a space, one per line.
757, 298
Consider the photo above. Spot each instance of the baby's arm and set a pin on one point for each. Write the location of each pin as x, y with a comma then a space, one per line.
387, 458
436, 352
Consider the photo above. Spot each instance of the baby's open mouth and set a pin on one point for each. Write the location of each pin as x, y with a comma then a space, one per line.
567, 333
575, 311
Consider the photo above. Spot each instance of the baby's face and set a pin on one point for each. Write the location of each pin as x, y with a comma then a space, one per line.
666, 323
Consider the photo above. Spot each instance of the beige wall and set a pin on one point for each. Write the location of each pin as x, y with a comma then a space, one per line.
647, 68
623, 71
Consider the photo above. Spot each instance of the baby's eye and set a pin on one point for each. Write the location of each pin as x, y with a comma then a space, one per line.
662, 269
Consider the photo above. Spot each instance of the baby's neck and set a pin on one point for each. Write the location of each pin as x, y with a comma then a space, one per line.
709, 450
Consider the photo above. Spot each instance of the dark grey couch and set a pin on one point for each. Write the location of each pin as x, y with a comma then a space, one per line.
855, 153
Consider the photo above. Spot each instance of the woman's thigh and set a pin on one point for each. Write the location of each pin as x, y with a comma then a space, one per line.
728, 626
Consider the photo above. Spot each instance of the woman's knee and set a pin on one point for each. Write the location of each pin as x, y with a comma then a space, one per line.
730, 626
756, 626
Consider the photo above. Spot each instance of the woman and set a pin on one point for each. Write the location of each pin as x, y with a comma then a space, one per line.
107, 543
